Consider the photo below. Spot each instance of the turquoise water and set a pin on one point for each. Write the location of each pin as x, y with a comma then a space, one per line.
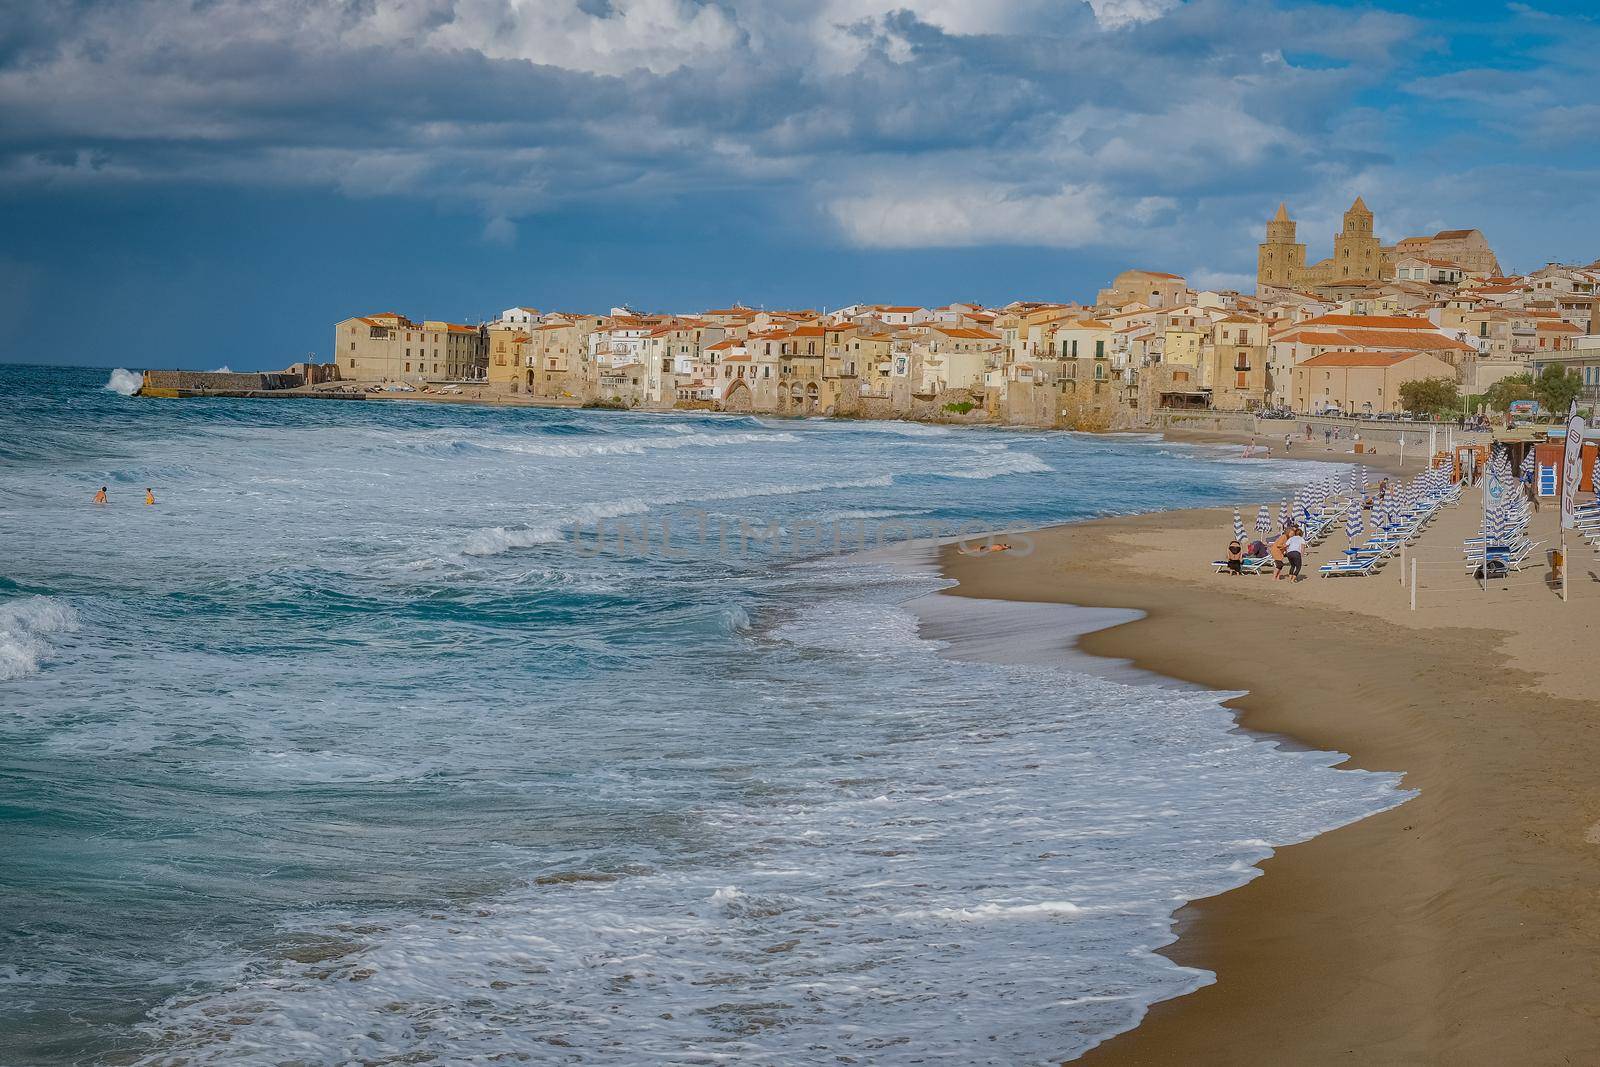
351, 749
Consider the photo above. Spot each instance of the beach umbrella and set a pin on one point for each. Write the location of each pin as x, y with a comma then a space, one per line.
1238, 526
1263, 519
1352, 523
1283, 514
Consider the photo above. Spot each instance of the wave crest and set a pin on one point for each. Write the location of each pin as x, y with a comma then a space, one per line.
23, 626
998, 464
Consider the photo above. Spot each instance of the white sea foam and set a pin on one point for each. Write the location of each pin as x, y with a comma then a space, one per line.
24, 626
992, 911
498, 539
999, 464
126, 382
900, 838
629, 446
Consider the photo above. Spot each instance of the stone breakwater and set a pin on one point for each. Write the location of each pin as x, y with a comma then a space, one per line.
187, 383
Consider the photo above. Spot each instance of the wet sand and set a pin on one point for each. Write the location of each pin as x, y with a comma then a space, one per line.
1462, 927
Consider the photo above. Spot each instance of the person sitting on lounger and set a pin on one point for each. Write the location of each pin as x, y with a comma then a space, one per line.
1235, 557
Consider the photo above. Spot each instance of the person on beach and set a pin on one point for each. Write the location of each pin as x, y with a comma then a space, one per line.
1258, 548
1288, 443
1327, 436
1235, 557
1383, 488
1279, 552
100, 497
149, 495
1294, 551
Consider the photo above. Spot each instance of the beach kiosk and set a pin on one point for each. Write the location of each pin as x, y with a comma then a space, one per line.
1548, 454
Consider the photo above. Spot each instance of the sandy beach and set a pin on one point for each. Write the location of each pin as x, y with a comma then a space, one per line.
1462, 927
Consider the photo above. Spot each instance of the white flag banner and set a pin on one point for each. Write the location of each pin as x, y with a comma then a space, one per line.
1571, 468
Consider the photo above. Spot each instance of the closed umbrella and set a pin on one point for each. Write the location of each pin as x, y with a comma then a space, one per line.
1263, 519
1238, 526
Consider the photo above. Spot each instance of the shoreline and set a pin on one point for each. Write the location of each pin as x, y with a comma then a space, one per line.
1264, 438
1458, 927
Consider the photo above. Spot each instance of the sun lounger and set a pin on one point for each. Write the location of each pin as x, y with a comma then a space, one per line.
1250, 564
1358, 568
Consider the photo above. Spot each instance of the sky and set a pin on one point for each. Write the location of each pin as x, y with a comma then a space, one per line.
217, 182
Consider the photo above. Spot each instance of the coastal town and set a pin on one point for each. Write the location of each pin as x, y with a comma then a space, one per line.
1342, 335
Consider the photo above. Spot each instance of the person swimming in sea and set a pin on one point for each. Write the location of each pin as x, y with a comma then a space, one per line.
100, 497
149, 495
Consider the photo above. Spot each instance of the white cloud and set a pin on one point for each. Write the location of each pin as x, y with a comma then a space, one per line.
961, 214
500, 231
1115, 14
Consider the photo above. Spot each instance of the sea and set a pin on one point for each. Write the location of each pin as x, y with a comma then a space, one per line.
398, 732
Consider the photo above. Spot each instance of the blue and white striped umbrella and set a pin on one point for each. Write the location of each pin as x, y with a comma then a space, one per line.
1353, 523
1283, 514
1238, 526
1263, 519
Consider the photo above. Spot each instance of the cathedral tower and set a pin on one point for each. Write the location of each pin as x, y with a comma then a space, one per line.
1357, 252
1280, 258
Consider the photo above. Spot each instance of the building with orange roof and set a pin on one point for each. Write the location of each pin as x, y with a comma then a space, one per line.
1428, 269
1361, 382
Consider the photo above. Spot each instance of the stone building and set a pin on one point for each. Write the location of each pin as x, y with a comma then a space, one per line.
390, 347
1357, 254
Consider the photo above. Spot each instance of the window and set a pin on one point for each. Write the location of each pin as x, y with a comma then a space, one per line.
352, 346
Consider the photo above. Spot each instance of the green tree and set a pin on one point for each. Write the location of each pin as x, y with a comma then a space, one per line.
1557, 388
1502, 394
1431, 395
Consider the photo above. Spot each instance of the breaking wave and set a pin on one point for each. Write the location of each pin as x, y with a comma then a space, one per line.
126, 382
24, 624
998, 464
